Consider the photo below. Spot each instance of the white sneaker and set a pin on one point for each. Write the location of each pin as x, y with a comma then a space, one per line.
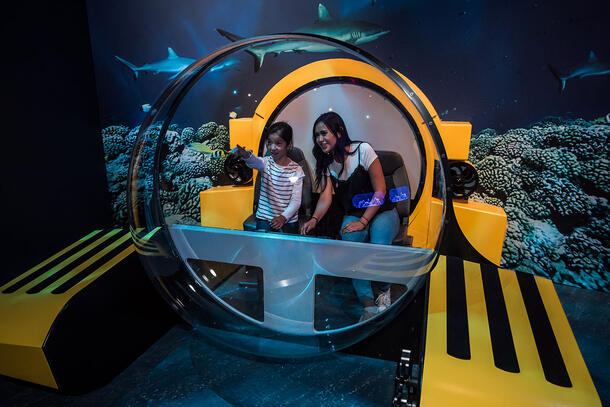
384, 300
369, 312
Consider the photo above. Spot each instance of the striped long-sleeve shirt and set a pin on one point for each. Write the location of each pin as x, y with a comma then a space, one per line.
281, 188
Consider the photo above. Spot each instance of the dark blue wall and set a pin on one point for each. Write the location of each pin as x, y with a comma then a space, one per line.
486, 62
54, 185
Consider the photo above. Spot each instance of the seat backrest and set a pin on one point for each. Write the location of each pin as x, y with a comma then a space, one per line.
296, 155
395, 174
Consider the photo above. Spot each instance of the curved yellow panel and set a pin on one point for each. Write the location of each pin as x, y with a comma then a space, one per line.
426, 217
419, 221
484, 226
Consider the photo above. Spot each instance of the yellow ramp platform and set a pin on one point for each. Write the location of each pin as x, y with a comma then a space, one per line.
497, 337
79, 317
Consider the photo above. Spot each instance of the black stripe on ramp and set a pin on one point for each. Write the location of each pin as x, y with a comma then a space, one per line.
92, 267
76, 263
550, 356
458, 340
33, 276
502, 345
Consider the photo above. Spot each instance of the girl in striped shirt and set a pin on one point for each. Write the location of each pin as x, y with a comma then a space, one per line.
281, 181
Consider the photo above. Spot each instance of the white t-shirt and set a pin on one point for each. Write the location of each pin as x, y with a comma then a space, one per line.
367, 156
281, 188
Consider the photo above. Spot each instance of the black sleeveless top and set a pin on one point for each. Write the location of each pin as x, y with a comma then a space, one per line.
359, 182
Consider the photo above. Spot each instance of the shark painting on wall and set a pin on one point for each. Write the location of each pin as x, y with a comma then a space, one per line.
591, 68
350, 31
173, 64
453, 51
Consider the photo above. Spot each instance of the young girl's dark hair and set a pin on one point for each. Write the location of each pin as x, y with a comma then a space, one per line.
283, 129
335, 124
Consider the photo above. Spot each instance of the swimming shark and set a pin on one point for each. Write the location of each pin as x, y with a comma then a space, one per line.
350, 31
172, 64
592, 68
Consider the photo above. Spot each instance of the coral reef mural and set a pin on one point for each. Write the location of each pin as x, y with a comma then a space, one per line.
184, 172
486, 67
552, 181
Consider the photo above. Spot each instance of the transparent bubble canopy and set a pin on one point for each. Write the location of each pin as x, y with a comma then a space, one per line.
198, 218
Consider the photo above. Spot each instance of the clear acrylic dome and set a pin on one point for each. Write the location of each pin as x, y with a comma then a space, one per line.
281, 294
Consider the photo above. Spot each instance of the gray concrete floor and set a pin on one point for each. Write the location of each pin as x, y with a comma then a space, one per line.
589, 314
182, 370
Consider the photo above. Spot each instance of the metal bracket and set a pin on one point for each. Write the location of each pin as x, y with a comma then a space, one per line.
406, 382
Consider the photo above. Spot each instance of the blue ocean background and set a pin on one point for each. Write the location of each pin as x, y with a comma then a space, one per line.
541, 152
478, 61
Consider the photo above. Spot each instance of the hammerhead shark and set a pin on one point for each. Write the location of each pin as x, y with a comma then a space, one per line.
353, 32
592, 68
172, 64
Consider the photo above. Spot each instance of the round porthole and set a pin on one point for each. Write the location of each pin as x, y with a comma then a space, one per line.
284, 294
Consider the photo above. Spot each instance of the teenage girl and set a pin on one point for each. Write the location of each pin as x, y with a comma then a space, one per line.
281, 181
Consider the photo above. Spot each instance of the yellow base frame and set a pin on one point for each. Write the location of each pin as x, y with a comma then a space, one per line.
27, 318
451, 381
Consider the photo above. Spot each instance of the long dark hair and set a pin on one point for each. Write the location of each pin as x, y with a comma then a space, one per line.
335, 124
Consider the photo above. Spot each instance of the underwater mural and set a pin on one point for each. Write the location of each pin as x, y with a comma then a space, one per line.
535, 72
173, 64
352, 32
552, 180
187, 171
592, 68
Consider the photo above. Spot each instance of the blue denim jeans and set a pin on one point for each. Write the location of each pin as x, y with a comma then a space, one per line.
287, 228
380, 230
